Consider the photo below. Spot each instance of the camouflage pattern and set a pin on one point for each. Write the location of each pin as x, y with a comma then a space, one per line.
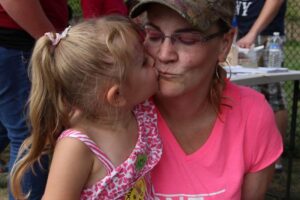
199, 13
275, 95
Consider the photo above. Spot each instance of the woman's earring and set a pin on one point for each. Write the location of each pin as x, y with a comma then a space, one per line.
217, 72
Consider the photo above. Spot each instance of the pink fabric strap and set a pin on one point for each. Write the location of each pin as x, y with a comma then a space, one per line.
92, 146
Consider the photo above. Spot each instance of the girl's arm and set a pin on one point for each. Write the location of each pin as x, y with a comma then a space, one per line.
256, 184
70, 168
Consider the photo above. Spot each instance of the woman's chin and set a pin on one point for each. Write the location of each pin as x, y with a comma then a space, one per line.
169, 89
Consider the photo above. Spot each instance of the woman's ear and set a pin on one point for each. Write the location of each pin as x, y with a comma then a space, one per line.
114, 96
226, 45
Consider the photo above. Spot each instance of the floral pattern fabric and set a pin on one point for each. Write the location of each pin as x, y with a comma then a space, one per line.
131, 179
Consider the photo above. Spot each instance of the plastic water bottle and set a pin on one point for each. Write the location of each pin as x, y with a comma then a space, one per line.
273, 55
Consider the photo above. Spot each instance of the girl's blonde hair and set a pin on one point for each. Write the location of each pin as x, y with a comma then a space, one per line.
74, 74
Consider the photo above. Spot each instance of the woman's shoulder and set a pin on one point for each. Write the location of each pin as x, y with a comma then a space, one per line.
244, 100
243, 93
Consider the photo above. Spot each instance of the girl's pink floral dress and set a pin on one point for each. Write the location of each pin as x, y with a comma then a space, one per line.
131, 179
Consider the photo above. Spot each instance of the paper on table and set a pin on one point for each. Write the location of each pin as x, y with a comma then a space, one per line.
259, 70
246, 50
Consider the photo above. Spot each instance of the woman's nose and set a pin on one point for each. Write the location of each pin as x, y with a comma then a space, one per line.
167, 52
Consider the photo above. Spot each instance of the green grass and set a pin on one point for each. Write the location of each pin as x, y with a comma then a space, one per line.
3, 177
3, 185
292, 54
292, 61
292, 13
75, 5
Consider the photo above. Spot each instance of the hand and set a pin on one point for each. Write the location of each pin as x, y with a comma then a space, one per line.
247, 41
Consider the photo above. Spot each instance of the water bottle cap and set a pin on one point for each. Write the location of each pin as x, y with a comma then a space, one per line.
274, 46
234, 22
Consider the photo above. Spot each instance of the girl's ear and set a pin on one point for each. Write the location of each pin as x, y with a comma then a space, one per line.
75, 116
114, 96
226, 45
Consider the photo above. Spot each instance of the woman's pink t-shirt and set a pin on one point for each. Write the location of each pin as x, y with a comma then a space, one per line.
244, 140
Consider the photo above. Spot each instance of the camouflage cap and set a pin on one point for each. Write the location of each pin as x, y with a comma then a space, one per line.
199, 13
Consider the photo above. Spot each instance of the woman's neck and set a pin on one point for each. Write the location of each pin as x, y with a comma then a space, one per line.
183, 107
190, 118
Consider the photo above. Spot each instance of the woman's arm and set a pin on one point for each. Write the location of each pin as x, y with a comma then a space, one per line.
256, 184
70, 168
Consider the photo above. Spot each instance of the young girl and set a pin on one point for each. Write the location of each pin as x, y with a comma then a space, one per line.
85, 107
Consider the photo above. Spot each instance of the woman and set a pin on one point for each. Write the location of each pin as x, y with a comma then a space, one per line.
220, 140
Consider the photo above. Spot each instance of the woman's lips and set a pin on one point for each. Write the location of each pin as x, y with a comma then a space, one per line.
167, 75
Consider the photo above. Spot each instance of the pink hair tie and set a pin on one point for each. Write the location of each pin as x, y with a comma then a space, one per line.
56, 37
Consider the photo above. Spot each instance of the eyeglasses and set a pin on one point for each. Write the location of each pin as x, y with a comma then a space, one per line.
155, 37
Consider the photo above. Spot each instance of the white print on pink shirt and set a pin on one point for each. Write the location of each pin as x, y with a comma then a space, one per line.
159, 196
